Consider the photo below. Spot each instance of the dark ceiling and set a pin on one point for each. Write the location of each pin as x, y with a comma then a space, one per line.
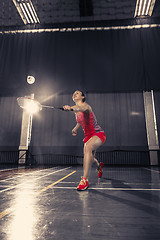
73, 11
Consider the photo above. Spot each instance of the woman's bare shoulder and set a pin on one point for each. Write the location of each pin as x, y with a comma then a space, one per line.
88, 107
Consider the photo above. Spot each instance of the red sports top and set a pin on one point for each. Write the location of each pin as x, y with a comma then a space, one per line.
89, 123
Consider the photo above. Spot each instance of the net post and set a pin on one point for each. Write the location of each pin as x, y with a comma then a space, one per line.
151, 127
25, 138
22, 155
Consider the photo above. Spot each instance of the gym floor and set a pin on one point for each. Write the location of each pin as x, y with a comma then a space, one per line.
43, 203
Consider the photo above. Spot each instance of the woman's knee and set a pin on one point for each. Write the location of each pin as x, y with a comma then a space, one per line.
88, 149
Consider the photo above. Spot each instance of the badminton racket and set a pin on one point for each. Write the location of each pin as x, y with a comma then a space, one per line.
32, 105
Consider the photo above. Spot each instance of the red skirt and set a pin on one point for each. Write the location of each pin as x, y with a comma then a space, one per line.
101, 135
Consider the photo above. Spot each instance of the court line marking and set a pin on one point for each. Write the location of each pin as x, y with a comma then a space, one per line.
7, 189
128, 189
9, 210
126, 184
53, 172
112, 189
18, 185
109, 183
10, 169
19, 176
51, 185
152, 170
5, 212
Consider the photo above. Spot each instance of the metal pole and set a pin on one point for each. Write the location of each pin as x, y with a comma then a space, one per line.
26, 129
151, 127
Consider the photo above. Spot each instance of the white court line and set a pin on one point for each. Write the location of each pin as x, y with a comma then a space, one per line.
52, 173
7, 189
113, 189
10, 169
5, 186
31, 173
151, 170
128, 189
16, 186
69, 182
110, 183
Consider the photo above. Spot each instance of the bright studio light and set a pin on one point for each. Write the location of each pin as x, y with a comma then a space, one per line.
144, 8
32, 107
26, 11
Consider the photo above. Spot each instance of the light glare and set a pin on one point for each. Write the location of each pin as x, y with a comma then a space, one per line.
31, 106
133, 113
24, 217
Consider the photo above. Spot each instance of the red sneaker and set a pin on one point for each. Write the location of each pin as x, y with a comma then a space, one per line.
83, 185
100, 169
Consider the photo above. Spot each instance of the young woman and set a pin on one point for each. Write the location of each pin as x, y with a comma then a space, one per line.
94, 135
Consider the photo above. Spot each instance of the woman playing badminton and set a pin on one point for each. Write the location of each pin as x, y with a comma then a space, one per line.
94, 135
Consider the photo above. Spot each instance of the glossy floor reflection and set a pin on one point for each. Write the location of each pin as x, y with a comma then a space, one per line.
44, 204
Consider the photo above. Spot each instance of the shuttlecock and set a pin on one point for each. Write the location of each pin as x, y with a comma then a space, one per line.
30, 79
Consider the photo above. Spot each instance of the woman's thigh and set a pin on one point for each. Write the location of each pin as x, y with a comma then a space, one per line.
92, 144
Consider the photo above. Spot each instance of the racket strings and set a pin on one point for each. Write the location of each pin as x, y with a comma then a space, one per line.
29, 104
32, 105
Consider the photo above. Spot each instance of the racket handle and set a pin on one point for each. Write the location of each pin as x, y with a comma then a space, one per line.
65, 110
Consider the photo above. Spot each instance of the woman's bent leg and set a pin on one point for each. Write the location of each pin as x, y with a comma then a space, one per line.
89, 154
